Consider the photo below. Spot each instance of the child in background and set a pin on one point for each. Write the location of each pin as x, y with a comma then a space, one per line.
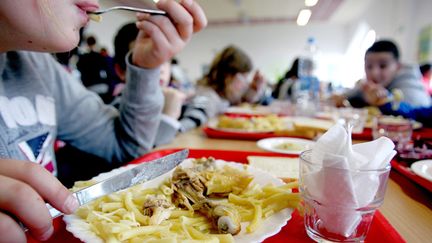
382, 67
426, 71
173, 98
284, 87
41, 102
227, 83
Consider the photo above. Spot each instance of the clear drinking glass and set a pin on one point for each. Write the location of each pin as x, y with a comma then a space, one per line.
354, 116
397, 129
340, 220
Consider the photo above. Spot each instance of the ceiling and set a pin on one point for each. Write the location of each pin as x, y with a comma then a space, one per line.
234, 12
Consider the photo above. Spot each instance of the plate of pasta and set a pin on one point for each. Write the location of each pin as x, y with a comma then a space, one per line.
202, 199
262, 124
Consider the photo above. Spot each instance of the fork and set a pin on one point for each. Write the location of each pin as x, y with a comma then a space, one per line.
141, 10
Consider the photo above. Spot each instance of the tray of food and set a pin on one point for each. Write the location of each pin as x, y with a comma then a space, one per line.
287, 226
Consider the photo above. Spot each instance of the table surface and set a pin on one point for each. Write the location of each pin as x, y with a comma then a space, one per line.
407, 206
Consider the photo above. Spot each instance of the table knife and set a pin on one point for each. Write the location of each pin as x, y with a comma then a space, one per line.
138, 174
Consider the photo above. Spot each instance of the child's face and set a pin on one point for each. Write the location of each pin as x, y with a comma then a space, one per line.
43, 25
381, 67
236, 87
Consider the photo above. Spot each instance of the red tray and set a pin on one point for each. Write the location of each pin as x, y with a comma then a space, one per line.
405, 170
294, 231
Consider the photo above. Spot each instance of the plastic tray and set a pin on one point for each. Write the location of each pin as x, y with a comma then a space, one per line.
294, 231
404, 169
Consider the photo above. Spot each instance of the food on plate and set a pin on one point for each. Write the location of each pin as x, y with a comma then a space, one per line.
203, 202
290, 146
285, 168
257, 124
373, 111
393, 120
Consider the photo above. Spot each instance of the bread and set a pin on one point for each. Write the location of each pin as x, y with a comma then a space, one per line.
304, 133
318, 125
282, 167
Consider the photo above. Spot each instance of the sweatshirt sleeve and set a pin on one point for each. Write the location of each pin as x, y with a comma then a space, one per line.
116, 135
421, 114
205, 105
167, 130
409, 82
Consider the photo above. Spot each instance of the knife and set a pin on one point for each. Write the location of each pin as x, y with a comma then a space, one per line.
138, 174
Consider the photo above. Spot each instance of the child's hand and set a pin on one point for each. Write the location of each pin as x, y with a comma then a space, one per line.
259, 82
23, 187
161, 37
375, 94
174, 100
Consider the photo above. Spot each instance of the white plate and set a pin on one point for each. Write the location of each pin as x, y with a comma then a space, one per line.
423, 168
299, 145
270, 226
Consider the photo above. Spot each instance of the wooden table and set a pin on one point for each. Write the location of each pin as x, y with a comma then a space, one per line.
407, 206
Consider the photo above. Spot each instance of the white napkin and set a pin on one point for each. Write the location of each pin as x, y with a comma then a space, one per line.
336, 186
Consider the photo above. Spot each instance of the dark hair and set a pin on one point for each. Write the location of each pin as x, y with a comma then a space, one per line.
425, 68
292, 72
125, 36
230, 61
91, 40
384, 46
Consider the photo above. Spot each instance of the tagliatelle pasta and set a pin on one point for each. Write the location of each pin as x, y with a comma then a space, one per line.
256, 124
123, 216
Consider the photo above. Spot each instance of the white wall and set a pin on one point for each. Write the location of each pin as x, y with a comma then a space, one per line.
271, 47
400, 20
422, 18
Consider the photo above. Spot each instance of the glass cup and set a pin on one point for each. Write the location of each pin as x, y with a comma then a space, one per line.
282, 107
399, 130
335, 208
305, 104
353, 116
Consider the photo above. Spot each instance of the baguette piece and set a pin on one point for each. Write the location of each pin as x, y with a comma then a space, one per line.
318, 125
284, 168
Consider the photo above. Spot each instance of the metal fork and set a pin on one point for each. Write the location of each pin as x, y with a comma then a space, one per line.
141, 10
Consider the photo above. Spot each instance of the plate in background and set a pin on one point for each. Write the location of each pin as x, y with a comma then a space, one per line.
423, 168
285, 145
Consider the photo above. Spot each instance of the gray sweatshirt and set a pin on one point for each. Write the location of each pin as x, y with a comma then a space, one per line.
40, 102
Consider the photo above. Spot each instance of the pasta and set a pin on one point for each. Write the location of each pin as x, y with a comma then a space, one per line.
257, 124
95, 17
154, 215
